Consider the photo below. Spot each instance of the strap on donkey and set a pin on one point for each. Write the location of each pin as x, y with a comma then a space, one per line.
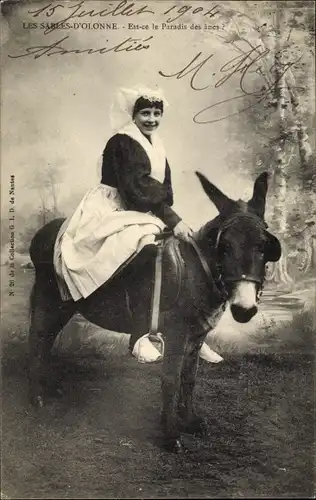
154, 334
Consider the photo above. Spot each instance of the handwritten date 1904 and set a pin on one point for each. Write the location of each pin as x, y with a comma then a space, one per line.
122, 8
176, 12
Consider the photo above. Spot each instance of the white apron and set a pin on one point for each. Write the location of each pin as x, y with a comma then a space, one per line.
101, 235
98, 239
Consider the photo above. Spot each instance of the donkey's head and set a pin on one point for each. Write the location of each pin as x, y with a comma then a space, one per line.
242, 245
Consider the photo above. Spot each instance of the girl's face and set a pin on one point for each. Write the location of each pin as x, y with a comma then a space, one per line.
148, 120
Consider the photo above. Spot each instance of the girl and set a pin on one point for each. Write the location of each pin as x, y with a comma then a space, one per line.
133, 202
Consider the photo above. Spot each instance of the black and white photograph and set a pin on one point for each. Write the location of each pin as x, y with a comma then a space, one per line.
158, 249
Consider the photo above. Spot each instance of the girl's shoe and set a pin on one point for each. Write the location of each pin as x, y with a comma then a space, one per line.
145, 352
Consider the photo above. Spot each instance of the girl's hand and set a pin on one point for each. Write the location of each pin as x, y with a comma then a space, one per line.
183, 231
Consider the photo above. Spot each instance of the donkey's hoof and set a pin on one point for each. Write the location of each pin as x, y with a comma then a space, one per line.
174, 446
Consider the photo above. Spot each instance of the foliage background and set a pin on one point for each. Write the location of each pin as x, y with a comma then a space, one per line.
55, 111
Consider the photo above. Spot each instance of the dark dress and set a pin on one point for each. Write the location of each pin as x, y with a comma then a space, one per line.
115, 218
126, 167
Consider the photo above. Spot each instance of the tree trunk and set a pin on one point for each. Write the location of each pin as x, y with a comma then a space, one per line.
313, 257
285, 84
304, 146
281, 274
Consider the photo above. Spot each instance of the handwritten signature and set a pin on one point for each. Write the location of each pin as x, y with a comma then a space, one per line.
245, 64
127, 45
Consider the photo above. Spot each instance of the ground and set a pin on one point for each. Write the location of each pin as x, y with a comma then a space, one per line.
101, 437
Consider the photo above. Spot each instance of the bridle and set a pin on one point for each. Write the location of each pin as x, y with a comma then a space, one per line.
219, 277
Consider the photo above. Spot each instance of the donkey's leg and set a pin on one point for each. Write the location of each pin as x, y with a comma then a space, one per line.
49, 314
192, 423
171, 383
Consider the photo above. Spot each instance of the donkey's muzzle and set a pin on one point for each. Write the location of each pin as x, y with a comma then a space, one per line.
241, 314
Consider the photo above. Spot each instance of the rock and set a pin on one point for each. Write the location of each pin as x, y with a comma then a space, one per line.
82, 337
27, 265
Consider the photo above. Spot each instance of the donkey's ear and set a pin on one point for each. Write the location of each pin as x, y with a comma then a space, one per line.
258, 200
220, 200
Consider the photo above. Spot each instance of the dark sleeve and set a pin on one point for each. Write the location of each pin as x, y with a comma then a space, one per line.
124, 156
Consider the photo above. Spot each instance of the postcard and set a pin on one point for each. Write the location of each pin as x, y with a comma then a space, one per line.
227, 183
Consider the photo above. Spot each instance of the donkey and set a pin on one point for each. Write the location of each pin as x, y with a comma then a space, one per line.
224, 265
